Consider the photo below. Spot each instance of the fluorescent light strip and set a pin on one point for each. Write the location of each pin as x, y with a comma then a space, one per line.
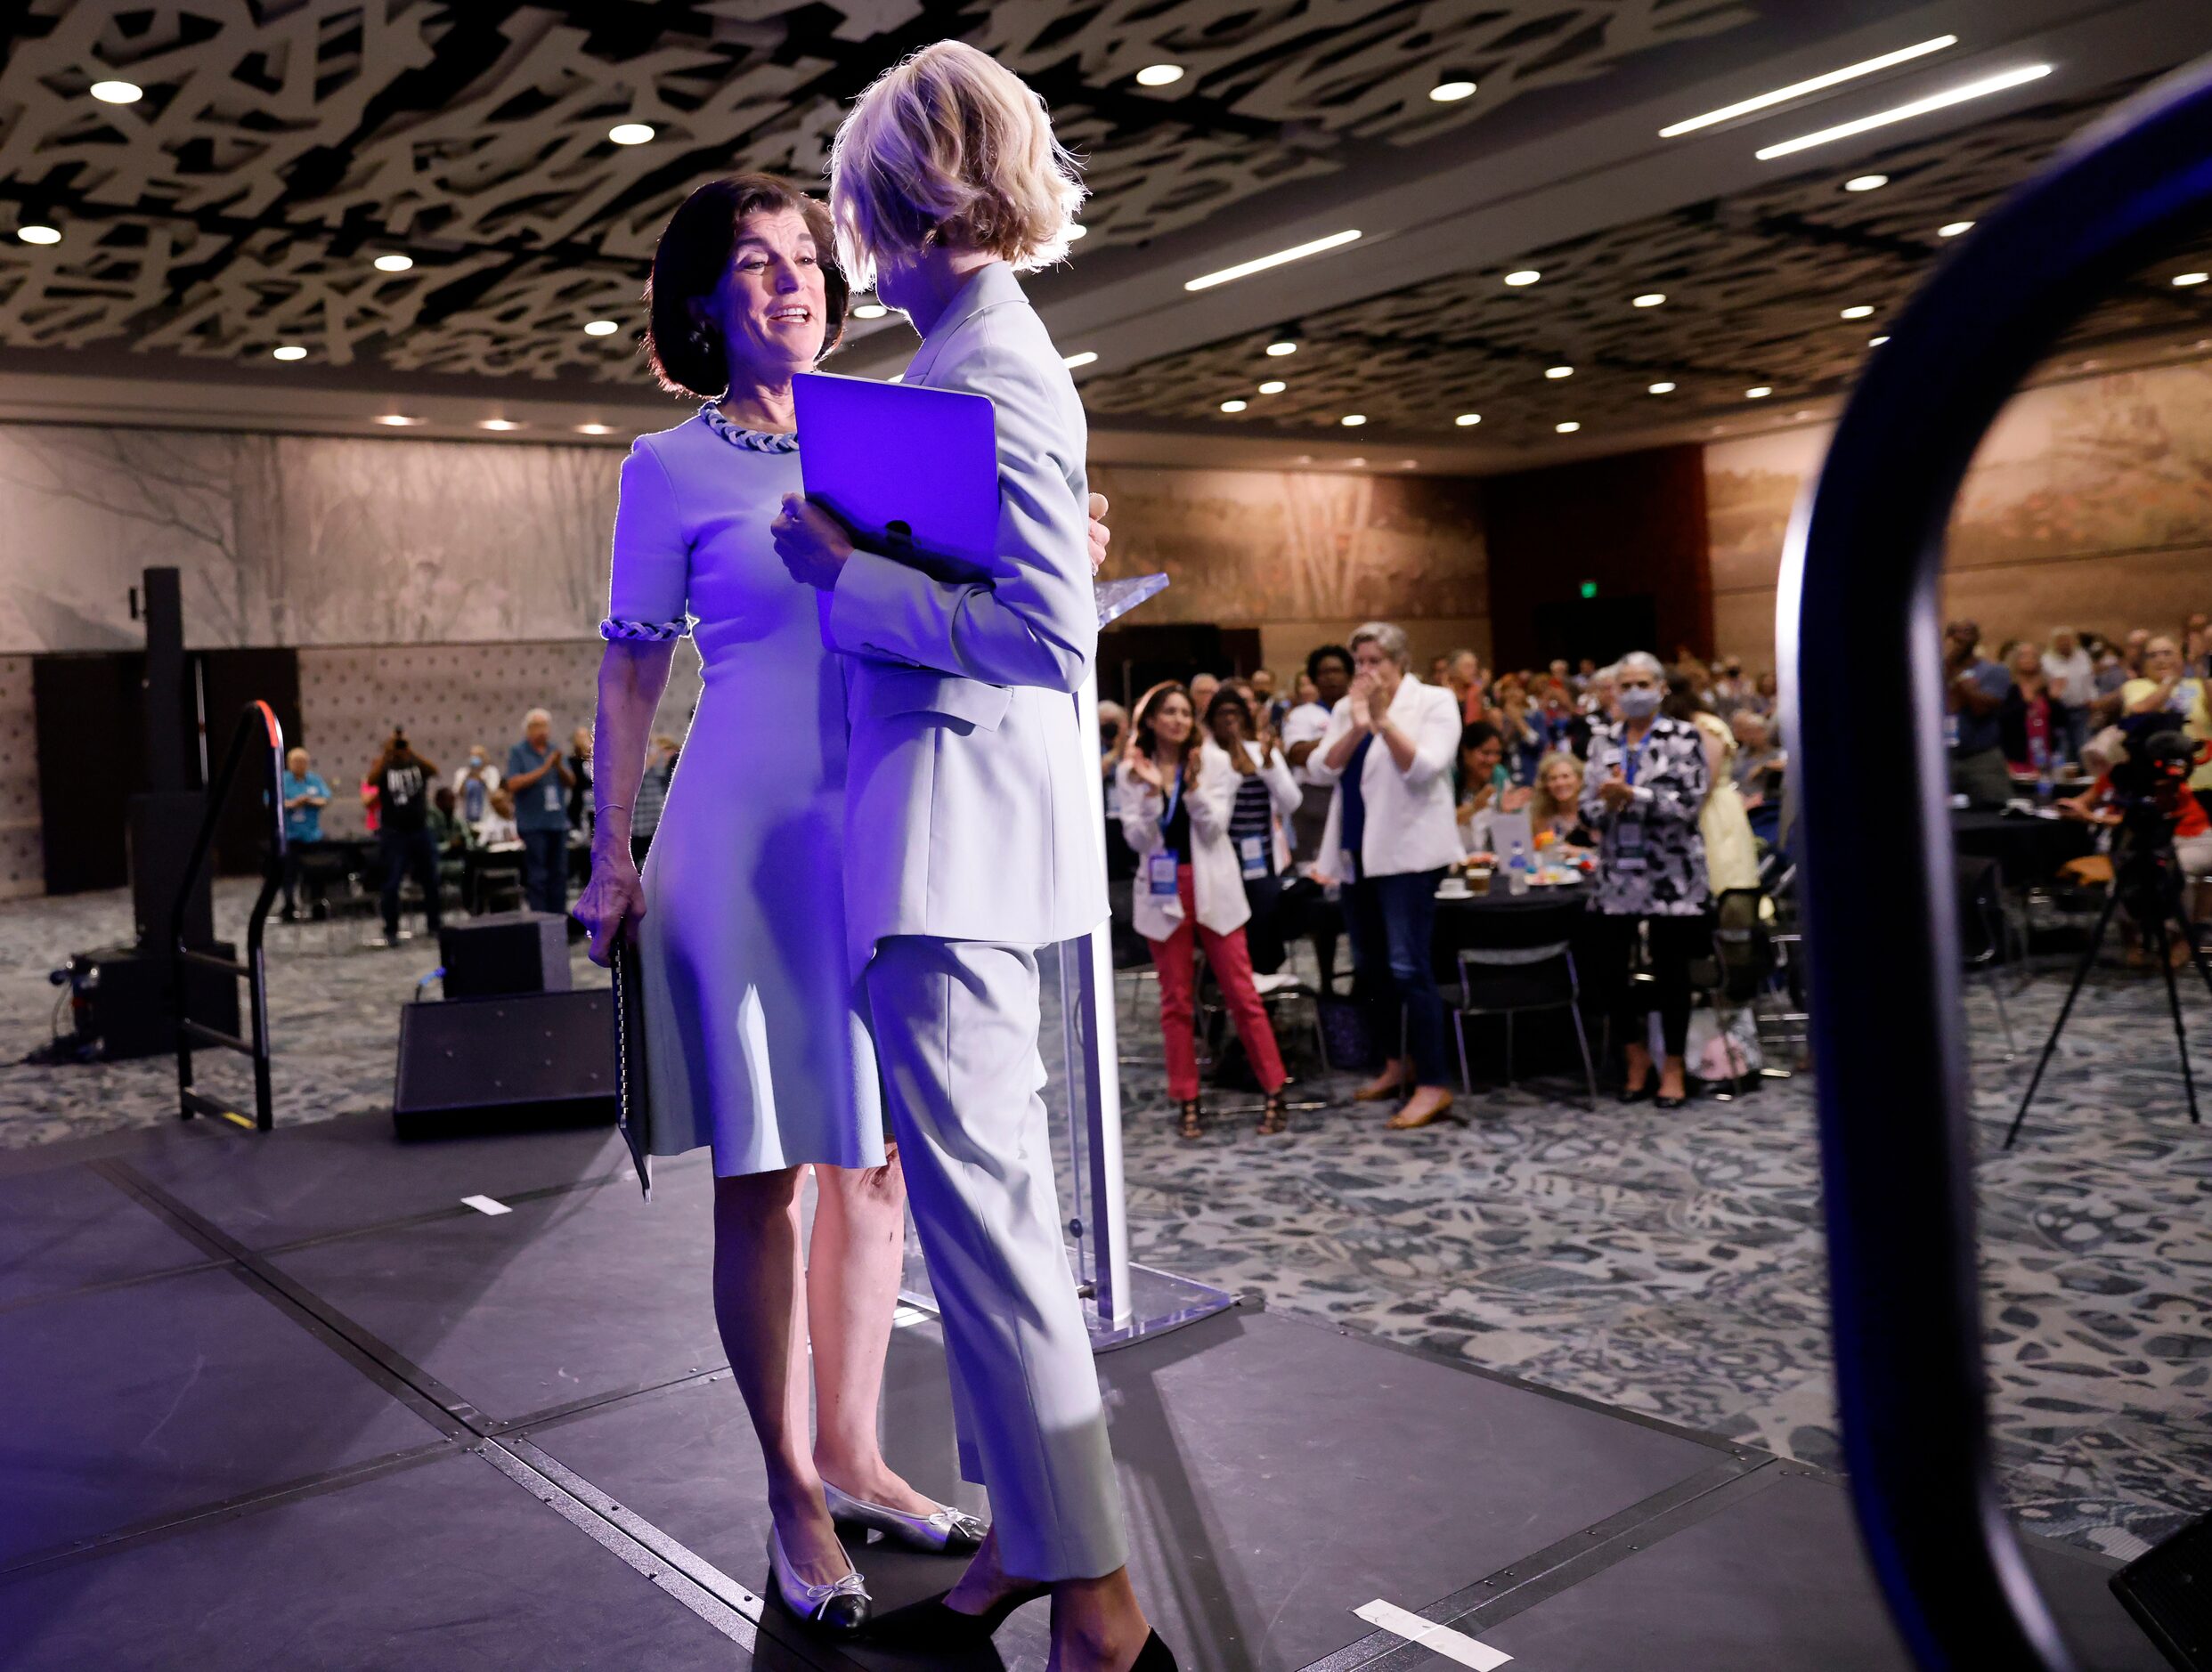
1245, 269
1798, 89
1919, 107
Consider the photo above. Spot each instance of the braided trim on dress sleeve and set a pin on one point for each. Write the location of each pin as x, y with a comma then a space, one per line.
655, 632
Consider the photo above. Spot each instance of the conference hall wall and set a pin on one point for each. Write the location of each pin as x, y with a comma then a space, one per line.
2089, 504
450, 586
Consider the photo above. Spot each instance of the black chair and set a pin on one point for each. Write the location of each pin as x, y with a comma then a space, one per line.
1981, 925
1509, 964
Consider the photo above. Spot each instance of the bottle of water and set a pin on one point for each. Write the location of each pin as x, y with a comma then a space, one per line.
1516, 870
2039, 755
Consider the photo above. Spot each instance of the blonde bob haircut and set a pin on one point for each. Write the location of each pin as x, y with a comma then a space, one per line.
951, 147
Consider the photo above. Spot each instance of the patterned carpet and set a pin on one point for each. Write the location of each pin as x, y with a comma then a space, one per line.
1665, 1261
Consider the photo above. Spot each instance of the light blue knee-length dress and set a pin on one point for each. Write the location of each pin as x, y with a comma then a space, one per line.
754, 1043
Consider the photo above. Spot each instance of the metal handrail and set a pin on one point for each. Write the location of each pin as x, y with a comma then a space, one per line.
257, 727
1859, 655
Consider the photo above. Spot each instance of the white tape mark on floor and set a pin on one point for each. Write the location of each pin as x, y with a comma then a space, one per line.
1454, 1645
485, 1204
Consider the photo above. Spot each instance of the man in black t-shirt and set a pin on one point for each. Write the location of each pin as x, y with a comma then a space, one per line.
403, 780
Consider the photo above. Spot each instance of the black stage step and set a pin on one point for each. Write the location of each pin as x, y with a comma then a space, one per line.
291, 1400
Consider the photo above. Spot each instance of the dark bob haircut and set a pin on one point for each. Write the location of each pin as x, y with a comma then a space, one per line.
693, 256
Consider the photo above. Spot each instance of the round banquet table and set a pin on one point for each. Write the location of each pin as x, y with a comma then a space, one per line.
2027, 849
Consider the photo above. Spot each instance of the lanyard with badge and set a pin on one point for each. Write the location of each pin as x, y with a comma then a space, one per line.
1161, 866
1628, 825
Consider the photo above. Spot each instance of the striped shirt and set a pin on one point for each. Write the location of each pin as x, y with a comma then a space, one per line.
1253, 814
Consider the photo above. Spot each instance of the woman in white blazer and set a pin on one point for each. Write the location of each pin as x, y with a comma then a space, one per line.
1177, 793
1391, 836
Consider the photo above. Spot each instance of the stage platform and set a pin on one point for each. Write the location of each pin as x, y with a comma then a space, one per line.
293, 1401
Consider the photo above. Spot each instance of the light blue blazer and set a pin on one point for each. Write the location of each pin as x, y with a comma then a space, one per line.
967, 815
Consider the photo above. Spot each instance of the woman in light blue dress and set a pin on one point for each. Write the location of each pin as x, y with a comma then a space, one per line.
753, 1046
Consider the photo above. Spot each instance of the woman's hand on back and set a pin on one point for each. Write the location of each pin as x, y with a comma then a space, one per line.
612, 903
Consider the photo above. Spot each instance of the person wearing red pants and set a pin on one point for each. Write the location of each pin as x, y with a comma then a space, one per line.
1177, 790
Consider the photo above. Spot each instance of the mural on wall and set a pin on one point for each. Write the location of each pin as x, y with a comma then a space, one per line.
2089, 504
301, 539
1245, 547
308, 541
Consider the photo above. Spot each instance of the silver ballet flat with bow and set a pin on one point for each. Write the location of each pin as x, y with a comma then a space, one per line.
841, 1608
944, 1531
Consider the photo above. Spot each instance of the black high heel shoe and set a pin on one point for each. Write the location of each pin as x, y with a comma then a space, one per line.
1154, 1657
931, 1625
1644, 1092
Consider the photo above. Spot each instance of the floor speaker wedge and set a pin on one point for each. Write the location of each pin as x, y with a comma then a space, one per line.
505, 1063
505, 952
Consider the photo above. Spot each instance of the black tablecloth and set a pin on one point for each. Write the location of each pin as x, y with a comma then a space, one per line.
2027, 849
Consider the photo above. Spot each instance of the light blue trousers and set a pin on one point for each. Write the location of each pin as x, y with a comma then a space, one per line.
955, 1024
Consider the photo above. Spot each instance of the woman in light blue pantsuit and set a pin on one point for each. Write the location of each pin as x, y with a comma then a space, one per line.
971, 842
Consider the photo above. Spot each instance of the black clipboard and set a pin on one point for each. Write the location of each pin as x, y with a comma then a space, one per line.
632, 1108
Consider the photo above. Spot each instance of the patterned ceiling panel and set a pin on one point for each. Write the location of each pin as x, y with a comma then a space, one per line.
1755, 290
278, 148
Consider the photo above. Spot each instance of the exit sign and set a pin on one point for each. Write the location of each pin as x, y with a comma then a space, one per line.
1589, 588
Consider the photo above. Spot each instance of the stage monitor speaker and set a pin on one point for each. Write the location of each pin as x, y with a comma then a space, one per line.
2169, 1589
505, 1063
123, 999
505, 952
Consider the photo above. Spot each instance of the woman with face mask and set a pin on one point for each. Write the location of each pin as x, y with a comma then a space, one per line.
1643, 794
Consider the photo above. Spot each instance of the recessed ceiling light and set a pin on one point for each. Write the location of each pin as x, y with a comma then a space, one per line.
1663, 388
1953, 228
288, 351
1075, 229
1452, 91
1568, 429
1232, 406
1798, 89
1274, 385
1280, 349
117, 92
595, 429
498, 424
37, 233
1557, 372
1468, 421
1408, 464
1860, 310
630, 132
1159, 74
1877, 342
1649, 299
2188, 278
870, 311
1352, 420
1356, 464
1245, 269
1084, 359
394, 264
1942, 100
1303, 458
397, 420
1760, 392
1865, 182
1522, 276
602, 328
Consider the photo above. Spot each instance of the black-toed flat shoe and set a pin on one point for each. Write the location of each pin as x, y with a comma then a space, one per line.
1670, 1102
943, 1531
1642, 1094
839, 1609
931, 1625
